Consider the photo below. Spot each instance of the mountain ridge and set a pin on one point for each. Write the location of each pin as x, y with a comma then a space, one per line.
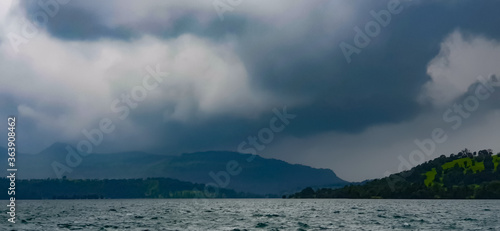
258, 175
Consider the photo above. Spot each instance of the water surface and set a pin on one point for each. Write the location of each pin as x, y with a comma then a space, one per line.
255, 214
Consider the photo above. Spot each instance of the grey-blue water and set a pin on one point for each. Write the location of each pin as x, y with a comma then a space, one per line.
255, 214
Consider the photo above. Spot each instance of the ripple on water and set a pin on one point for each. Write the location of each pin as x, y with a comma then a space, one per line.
303, 225
267, 214
261, 225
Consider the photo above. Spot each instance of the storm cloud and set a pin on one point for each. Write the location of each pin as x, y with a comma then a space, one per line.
225, 76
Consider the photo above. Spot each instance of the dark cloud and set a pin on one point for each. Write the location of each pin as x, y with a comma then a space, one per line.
381, 84
72, 22
300, 59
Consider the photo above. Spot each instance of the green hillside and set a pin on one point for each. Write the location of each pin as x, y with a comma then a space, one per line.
465, 175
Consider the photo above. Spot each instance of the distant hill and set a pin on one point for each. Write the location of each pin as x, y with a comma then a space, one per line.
258, 175
463, 176
114, 189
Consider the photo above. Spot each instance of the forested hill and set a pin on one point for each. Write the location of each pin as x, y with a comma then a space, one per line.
257, 175
466, 175
115, 189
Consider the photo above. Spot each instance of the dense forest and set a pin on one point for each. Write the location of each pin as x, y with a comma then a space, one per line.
466, 175
119, 188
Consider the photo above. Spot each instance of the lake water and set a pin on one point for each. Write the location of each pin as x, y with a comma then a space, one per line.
255, 214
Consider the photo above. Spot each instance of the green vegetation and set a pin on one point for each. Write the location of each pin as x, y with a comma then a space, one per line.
123, 188
465, 163
466, 175
496, 160
431, 175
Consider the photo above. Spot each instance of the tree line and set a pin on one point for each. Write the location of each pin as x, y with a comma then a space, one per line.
115, 189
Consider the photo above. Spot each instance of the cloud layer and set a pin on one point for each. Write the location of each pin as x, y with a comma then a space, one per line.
226, 76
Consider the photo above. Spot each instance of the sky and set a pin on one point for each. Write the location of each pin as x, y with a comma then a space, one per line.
359, 87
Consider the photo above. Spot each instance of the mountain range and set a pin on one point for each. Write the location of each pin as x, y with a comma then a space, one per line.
241, 172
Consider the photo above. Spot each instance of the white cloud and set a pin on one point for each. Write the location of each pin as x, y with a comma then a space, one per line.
82, 78
458, 65
4, 8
